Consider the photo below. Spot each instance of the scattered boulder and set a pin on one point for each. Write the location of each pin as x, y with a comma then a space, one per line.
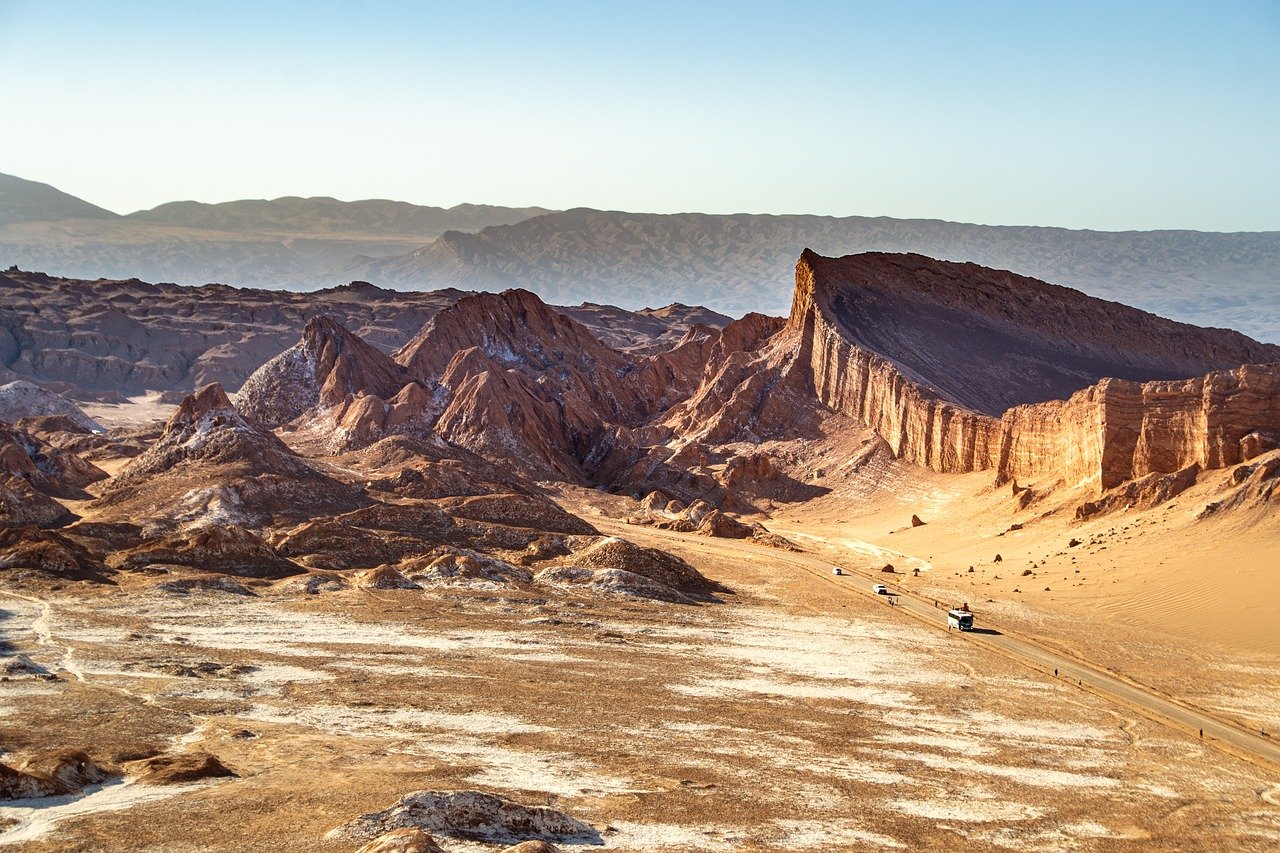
473, 815
916, 522
408, 840
531, 847
179, 769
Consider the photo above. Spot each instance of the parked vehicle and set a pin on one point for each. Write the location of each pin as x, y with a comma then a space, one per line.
837, 571
880, 589
961, 620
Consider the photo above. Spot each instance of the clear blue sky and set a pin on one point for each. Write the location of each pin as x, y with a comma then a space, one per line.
1108, 115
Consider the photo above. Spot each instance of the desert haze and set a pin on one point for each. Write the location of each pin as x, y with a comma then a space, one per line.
730, 263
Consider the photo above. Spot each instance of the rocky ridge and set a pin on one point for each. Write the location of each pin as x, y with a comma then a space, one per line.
845, 318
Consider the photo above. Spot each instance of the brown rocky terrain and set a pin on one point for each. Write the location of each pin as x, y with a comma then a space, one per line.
103, 339
210, 465
457, 570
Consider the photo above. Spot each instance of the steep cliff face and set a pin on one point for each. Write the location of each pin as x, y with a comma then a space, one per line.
961, 368
1117, 431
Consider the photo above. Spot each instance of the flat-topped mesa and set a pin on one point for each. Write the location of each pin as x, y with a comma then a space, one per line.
963, 368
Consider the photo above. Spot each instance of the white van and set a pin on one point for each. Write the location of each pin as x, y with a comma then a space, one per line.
880, 589
961, 620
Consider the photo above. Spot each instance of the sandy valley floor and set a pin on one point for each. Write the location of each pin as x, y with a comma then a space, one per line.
783, 718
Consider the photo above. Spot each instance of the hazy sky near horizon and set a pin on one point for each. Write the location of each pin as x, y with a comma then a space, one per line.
1106, 115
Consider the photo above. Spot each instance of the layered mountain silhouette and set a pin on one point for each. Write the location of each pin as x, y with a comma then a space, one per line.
733, 264
738, 263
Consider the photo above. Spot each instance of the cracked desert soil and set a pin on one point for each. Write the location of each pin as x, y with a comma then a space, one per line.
782, 719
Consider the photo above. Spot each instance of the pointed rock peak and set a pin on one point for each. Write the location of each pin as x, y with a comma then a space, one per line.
323, 326
514, 327
209, 401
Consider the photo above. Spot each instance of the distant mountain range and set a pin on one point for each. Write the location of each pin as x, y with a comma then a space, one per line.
731, 263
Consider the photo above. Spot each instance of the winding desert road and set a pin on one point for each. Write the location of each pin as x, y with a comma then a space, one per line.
1251, 746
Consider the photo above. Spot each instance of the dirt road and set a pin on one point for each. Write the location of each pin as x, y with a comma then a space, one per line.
858, 581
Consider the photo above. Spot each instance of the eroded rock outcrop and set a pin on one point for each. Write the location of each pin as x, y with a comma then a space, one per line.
212, 466
471, 815
957, 368
324, 369
224, 548
20, 399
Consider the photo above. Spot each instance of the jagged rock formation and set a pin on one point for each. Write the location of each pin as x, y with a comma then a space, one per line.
68, 772
48, 470
904, 343
471, 815
34, 473
59, 553
211, 465
325, 369
104, 337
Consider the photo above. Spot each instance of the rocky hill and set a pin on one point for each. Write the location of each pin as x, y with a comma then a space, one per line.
20, 400
90, 337
742, 263
212, 466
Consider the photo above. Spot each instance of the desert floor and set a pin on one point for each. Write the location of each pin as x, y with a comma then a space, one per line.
790, 716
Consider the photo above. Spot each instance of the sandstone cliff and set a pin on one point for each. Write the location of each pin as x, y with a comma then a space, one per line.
958, 368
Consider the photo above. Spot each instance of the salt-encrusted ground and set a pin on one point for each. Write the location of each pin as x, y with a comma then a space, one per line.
752, 725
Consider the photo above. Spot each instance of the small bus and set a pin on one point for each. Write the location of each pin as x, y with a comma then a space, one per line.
961, 620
